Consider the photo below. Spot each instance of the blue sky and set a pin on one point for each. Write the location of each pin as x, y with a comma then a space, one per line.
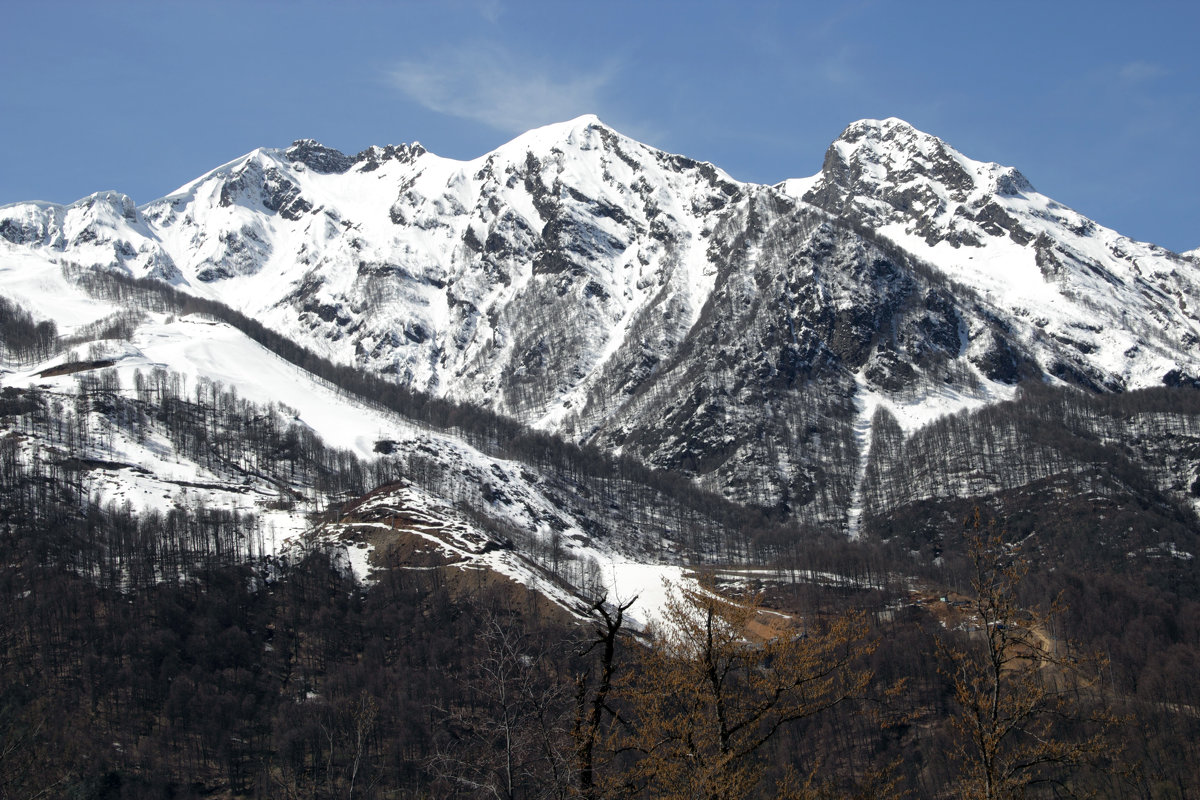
1098, 103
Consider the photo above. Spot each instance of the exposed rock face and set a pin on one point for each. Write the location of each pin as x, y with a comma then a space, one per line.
318, 157
585, 283
1064, 292
884, 172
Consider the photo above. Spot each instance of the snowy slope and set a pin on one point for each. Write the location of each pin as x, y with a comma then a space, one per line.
1126, 311
135, 464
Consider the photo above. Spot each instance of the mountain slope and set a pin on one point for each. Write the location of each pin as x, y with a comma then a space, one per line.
180, 411
1125, 311
589, 285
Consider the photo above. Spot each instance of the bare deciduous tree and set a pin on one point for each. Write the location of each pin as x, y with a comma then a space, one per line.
511, 741
593, 688
1015, 687
718, 681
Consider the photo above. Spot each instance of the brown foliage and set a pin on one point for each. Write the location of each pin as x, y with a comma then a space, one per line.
720, 679
1015, 686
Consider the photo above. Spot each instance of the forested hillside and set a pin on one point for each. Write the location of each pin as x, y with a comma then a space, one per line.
181, 652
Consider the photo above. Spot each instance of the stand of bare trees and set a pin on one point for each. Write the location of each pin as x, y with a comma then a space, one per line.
1030, 710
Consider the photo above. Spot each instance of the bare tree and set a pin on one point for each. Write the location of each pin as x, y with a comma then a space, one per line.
593, 687
26, 769
718, 681
1029, 713
510, 739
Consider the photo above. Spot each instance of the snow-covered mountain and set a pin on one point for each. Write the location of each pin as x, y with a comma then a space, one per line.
592, 286
187, 414
304, 459
1125, 310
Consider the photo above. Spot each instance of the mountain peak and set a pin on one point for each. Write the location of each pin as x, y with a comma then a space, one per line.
583, 132
896, 151
585, 120
109, 205
920, 172
866, 126
581, 123
318, 157
891, 131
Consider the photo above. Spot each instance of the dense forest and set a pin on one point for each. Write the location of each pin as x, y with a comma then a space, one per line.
151, 655
284, 677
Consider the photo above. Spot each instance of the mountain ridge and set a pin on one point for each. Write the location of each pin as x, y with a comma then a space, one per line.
587, 284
